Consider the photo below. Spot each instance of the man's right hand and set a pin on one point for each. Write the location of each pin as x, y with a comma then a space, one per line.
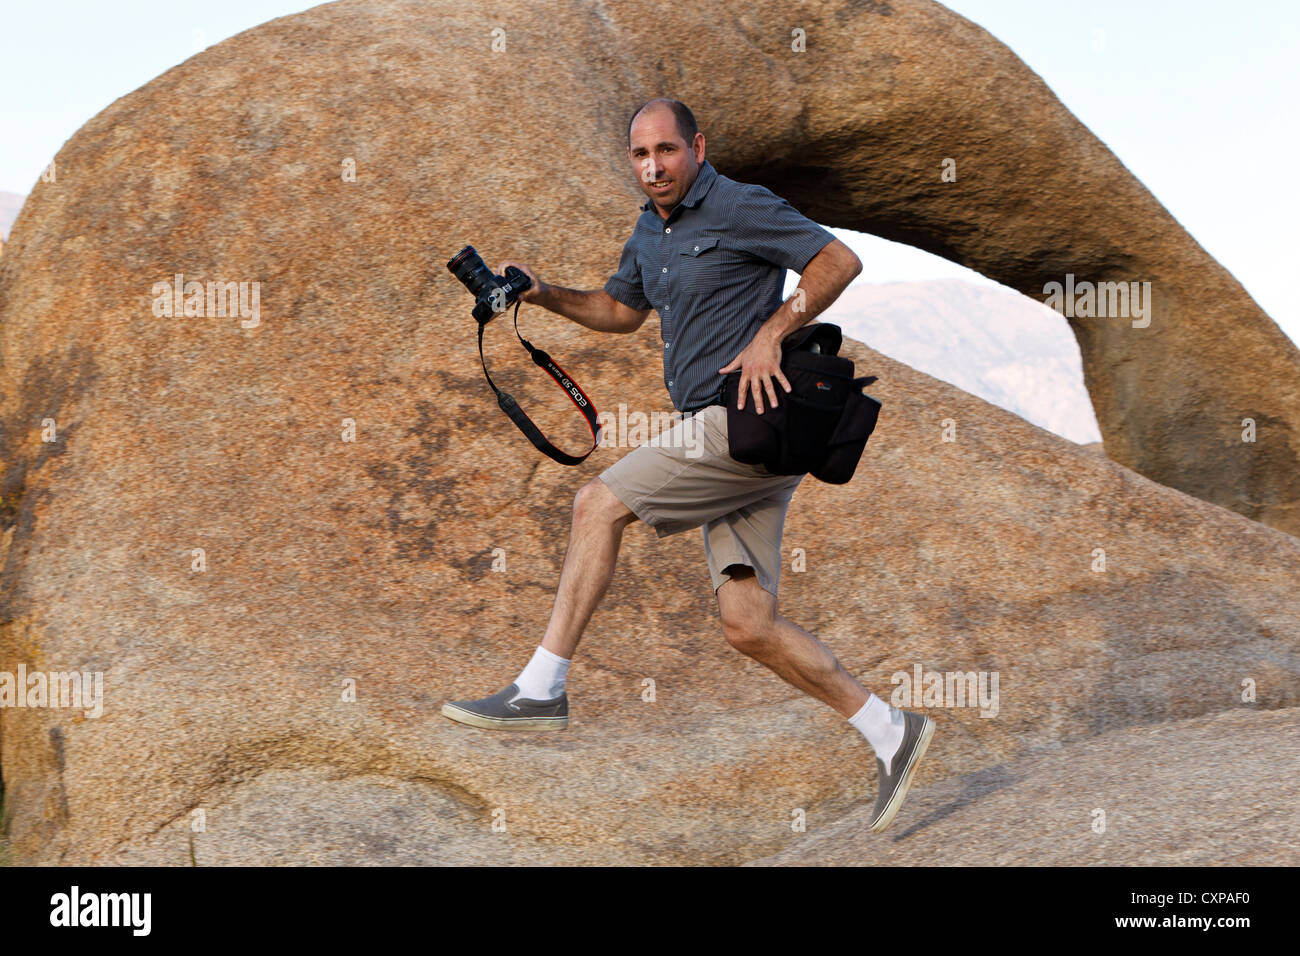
532, 292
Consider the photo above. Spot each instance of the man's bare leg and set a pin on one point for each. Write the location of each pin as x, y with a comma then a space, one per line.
752, 625
899, 738
598, 522
537, 700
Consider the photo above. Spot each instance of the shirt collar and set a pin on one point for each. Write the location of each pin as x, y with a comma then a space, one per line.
703, 182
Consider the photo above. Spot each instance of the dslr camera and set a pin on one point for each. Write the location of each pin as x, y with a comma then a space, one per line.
492, 293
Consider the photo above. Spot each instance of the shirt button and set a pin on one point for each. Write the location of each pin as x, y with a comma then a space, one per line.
697, 248
670, 384
669, 229
665, 268
666, 344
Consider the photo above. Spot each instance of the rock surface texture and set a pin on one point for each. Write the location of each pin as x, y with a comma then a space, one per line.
1112, 607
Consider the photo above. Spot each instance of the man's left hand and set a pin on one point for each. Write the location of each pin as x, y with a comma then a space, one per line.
759, 363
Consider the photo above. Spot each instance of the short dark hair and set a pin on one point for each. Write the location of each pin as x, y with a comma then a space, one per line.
686, 125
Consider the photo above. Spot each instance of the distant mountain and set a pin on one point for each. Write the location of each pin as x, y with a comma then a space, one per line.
992, 342
10, 203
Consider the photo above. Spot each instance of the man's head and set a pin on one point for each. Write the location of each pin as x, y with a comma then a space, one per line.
666, 149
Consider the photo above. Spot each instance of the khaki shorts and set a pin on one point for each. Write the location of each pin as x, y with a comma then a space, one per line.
684, 478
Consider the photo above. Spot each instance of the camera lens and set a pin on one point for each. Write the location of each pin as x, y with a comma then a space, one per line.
468, 266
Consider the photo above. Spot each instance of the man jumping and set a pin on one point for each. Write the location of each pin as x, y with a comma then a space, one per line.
709, 255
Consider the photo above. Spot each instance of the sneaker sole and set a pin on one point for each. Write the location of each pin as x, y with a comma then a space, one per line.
503, 723
896, 801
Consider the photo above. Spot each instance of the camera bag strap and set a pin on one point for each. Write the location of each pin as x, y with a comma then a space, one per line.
524, 423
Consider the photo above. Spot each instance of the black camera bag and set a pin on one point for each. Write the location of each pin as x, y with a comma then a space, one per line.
821, 426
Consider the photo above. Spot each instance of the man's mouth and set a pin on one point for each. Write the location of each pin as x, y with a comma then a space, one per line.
661, 184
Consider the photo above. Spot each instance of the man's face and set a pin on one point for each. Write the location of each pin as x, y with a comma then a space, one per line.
665, 165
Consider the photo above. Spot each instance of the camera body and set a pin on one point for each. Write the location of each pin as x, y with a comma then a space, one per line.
492, 293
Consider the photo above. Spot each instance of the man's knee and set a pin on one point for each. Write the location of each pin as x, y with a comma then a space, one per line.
595, 502
747, 610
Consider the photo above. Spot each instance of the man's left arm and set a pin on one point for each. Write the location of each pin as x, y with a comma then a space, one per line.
825, 276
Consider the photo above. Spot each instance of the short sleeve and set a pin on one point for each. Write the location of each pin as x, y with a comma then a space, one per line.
768, 227
625, 284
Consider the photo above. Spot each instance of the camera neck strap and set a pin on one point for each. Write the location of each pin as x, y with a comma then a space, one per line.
522, 421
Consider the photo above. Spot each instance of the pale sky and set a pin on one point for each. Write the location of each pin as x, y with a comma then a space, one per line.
1198, 100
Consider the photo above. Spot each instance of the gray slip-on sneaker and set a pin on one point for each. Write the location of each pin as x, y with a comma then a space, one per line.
917, 731
499, 713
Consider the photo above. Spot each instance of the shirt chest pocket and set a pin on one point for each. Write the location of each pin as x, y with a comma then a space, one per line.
698, 266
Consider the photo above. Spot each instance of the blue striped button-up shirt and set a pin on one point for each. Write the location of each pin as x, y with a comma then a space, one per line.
714, 270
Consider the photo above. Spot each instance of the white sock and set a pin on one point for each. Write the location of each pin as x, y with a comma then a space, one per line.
543, 678
882, 725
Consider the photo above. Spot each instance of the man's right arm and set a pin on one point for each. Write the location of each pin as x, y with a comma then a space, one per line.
598, 310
